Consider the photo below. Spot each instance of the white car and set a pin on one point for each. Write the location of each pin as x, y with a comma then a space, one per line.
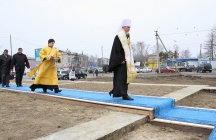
138, 70
100, 70
146, 69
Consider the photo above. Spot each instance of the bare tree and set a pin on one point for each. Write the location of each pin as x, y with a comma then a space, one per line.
176, 48
141, 51
154, 48
185, 53
210, 45
92, 60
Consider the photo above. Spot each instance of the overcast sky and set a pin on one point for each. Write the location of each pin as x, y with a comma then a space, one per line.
86, 25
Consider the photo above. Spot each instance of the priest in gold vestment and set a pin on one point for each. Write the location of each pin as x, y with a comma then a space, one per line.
122, 62
47, 74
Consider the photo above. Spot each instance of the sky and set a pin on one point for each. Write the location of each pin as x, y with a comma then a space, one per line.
89, 26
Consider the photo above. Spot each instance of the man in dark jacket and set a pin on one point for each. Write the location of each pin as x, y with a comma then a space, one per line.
5, 66
0, 75
20, 61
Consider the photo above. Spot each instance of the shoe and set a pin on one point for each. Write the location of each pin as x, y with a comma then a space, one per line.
111, 92
21, 85
57, 91
3, 85
44, 90
127, 98
32, 89
7, 86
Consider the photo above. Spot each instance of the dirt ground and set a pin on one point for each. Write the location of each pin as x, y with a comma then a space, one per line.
165, 79
202, 99
23, 117
153, 132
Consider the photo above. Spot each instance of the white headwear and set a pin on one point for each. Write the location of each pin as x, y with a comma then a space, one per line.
125, 22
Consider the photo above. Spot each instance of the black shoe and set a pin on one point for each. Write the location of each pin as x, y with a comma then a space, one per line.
20, 85
3, 85
7, 86
57, 91
32, 89
127, 98
44, 90
111, 92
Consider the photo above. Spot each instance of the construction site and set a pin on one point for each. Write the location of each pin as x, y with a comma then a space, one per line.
165, 106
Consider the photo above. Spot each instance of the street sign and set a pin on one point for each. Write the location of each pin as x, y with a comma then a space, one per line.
37, 56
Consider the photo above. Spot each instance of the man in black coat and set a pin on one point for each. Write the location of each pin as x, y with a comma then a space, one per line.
20, 61
5, 66
0, 75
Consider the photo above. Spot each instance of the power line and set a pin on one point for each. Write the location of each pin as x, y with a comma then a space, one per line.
177, 42
5, 37
187, 32
26, 41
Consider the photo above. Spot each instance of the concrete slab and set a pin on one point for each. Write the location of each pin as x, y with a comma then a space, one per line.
182, 93
101, 128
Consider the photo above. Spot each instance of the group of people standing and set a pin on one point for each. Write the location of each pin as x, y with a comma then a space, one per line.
121, 64
7, 63
47, 71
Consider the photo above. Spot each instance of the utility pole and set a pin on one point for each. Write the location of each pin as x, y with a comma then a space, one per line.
212, 46
158, 65
200, 51
102, 58
11, 45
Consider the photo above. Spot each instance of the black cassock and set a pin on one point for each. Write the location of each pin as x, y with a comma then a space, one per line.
117, 56
5, 66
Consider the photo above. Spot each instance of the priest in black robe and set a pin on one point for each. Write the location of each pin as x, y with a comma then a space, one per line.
118, 63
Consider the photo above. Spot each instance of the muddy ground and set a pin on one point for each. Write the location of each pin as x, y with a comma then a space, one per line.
23, 117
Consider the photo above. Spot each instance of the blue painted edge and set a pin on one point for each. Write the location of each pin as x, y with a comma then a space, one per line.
212, 136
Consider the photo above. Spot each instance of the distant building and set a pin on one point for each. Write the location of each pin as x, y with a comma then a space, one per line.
71, 60
32, 63
64, 62
152, 61
152, 57
104, 62
191, 61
